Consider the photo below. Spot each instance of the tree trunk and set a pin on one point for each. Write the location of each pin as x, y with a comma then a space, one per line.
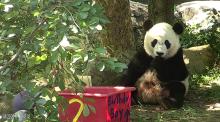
118, 38
161, 11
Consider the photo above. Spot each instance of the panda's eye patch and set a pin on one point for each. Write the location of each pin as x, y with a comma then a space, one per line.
154, 42
167, 43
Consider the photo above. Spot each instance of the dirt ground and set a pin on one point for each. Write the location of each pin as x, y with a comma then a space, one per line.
201, 105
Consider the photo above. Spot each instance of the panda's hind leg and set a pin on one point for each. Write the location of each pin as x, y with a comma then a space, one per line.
173, 95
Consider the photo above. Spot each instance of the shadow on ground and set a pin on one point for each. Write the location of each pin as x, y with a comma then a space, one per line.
201, 105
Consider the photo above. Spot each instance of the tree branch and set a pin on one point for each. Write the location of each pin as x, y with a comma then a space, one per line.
20, 50
9, 38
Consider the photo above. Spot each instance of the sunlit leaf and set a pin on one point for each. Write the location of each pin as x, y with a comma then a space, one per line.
8, 7
74, 28
43, 57
101, 67
55, 48
98, 27
72, 70
86, 57
36, 13
64, 42
76, 58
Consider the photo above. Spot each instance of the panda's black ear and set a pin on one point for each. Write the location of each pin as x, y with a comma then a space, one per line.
147, 25
178, 28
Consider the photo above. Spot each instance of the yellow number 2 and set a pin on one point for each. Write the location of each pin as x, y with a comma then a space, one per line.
80, 108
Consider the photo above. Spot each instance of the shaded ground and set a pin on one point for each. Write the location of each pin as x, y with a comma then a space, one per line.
200, 106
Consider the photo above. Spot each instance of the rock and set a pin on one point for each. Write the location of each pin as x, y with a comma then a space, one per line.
198, 58
139, 13
202, 13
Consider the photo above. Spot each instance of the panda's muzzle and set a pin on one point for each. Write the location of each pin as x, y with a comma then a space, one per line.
159, 53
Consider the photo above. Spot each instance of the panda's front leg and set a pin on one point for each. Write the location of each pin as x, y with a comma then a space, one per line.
172, 95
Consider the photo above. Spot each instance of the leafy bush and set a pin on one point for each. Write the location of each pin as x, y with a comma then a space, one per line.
47, 41
203, 34
206, 78
190, 38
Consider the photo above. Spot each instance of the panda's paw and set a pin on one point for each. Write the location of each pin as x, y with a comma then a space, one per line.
170, 102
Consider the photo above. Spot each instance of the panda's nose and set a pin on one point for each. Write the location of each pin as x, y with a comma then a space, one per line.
160, 53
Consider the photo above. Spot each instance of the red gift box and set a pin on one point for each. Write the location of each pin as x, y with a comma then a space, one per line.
108, 104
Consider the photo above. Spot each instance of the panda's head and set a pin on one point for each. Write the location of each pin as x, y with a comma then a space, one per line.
162, 39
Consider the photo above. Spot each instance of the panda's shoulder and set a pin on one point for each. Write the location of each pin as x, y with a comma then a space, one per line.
141, 57
178, 57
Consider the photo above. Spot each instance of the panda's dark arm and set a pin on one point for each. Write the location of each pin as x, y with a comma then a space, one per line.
183, 72
178, 68
175, 72
137, 66
172, 69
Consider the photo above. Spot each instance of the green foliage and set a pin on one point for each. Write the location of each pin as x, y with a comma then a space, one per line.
203, 34
45, 44
198, 80
190, 38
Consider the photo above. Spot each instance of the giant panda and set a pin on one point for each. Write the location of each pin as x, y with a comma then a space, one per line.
158, 70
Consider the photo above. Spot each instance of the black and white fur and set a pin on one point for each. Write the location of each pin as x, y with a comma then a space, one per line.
161, 59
